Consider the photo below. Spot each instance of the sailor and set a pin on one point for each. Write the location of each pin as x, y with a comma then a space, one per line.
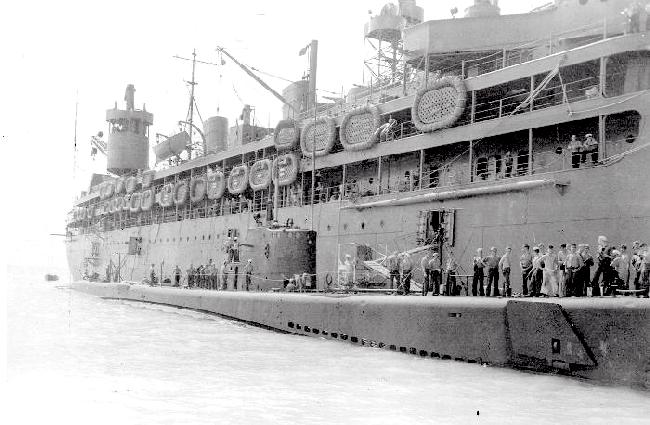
177, 276
227, 248
426, 273
190, 276
435, 267
504, 267
248, 271
406, 264
152, 274
392, 264
478, 264
235, 250
561, 258
645, 269
590, 145
635, 271
508, 161
604, 261
384, 131
526, 264
550, 285
306, 280
572, 264
575, 147
492, 262
450, 268
348, 271
585, 271
537, 273
223, 275
622, 264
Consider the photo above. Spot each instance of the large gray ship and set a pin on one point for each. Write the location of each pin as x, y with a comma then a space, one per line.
461, 140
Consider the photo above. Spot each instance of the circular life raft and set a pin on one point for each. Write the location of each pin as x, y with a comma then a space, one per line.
216, 184
119, 203
285, 169
439, 105
181, 192
238, 179
127, 202
131, 184
286, 135
166, 195
259, 176
147, 178
135, 202
120, 185
323, 133
197, 189
359, 128
146, 201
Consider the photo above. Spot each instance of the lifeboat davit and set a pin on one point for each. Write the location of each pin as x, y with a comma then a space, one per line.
259, 176
286, 169
238, 179
216, 184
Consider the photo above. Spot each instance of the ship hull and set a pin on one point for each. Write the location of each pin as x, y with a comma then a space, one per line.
604, 340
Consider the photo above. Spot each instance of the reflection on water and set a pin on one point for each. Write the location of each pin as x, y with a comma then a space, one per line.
75, 358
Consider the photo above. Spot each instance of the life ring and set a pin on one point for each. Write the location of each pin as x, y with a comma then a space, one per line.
322, 132
197, 189
147, 178
127, 202
285, 169
166, 195
260, 175
146, 201
135, 202
439, 105
119, 185
286, 135
131, 184
216, 184
181, 192
328, 279
238, 179
359, 128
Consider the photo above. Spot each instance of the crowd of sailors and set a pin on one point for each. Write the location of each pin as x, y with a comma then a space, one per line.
545, 271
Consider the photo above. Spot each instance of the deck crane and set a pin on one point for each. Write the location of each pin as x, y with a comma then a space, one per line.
256, 78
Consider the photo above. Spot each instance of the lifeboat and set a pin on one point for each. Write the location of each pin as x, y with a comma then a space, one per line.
359, 128
197, 189
166, 195
285, 169
120, 185
131, 184
181, 192
147, 178
286, 135
318, 137
146, 199
126, 204
259, 176
135, 202
238, 179
439, 105
216, 184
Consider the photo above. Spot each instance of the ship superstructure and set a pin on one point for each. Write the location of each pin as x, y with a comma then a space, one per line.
463, 131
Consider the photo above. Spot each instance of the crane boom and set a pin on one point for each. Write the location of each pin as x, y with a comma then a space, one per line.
258, 79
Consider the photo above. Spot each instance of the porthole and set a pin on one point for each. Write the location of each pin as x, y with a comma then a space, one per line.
203, 237
363, 225
209, 237
329, 227
188, 238
345, 226
630, 138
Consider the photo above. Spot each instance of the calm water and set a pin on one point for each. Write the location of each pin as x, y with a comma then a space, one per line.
74, 358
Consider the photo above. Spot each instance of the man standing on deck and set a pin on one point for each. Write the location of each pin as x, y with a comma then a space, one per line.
152, 274
585, 270
177, 276
561, 258
572, 264
603, 263
478, 264
504, 266
492, 262
406, 265
227, 248
537, 273
248, 271
223, 272
526, 264
426, 273
392, 264
435, 268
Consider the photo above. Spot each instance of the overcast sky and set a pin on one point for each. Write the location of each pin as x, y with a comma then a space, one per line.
55, 52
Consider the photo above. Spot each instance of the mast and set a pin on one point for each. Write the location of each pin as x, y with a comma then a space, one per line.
190, 118
313, 58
